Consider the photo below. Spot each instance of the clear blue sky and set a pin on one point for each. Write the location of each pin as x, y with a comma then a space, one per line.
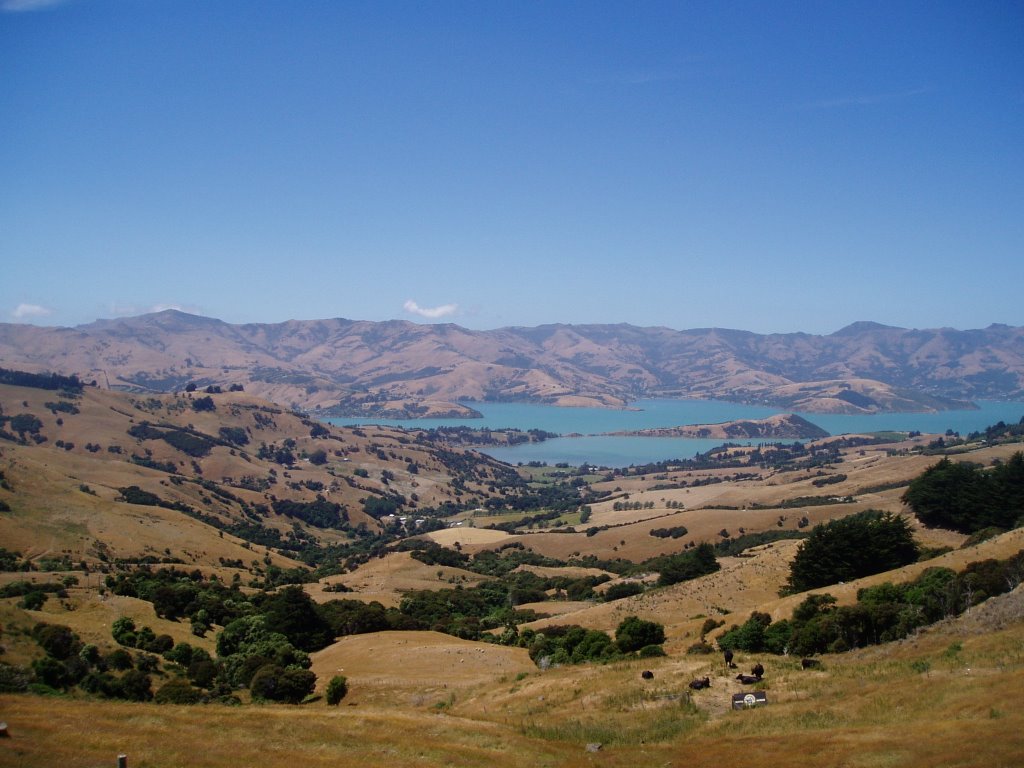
769, 166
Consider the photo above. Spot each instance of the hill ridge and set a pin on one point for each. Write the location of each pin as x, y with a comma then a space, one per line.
403, 369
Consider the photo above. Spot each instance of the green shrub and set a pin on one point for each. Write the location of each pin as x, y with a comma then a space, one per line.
51, 672
180, 654
136, 686
337, 689
123, 631
57, 640
623, 589
33, 601
14, 679
119, 659
633, 633
274, 683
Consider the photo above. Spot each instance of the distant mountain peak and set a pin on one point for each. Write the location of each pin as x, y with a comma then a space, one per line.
865, 326
405, 369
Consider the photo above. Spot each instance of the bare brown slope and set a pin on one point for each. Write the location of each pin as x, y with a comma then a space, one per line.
65, 483
780, 426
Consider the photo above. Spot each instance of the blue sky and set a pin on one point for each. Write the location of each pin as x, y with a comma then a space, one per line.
769, 166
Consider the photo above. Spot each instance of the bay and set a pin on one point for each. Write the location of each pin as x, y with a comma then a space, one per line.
591, 447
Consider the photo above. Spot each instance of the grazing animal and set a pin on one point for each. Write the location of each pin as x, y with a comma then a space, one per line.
647, 674
728, 659
748, 679
700, 683
810, 663
758, 670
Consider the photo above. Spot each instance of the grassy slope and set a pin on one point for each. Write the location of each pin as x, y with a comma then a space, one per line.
51, 515
427, 699
867, 708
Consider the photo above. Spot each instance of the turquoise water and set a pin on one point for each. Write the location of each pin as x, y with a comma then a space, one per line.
646, 414
587, 421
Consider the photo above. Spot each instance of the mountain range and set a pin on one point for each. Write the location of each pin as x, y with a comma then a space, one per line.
401, 369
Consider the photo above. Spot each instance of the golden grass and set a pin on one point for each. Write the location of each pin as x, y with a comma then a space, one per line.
48, 733
947, 696
465, 535
384, 579
91, 616
869, 708
416, 667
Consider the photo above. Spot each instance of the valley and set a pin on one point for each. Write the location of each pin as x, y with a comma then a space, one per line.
101, 488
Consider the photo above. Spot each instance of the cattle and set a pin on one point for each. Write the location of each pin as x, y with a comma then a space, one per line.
758, 670
700, 683
647, 674
728, 660
810, 663
748, 679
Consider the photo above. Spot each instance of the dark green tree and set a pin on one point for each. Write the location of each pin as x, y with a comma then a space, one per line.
949, 495
292, 613
136, 686
204, 403
633, 633
697, 562
289, 685
851, 547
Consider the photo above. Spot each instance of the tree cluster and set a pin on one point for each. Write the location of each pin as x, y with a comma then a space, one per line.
684, 566
572, 644
967, 498
882, 613
851, 547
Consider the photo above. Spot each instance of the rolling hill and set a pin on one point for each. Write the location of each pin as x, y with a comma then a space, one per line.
98, 483
206, 479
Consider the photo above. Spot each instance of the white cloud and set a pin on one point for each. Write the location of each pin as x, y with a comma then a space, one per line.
431, 312
191, 309
23, 311
16, 6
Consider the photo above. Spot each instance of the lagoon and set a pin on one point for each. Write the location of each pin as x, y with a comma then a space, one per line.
603, 450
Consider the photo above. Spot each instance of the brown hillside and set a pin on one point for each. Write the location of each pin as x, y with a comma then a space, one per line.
406, 370
66, 480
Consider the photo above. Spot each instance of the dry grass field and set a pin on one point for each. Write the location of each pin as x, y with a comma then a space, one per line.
385, 579
946, 697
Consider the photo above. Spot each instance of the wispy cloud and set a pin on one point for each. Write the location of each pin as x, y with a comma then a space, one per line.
866, 99
191, 309
25, 311
21, 6
431, 312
